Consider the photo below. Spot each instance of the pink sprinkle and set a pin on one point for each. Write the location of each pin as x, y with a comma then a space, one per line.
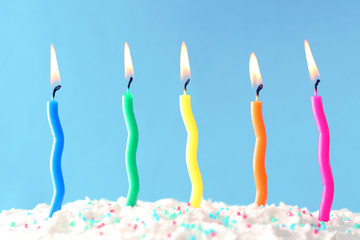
174, 222
244, 216
238, 213
112, 210
178, 208
135, 226
109, 204
26, 226
249, 225
316, 231
101, 225
188, 204
38, 227
101, 233
311, 215
290, 214
303, 211
318, 225
169, 235
213, 234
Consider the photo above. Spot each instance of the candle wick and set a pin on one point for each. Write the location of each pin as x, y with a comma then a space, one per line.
316, 85
186, 83
258, 91
130, 81
55, 90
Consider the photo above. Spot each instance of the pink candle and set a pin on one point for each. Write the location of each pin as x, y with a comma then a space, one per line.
324, 141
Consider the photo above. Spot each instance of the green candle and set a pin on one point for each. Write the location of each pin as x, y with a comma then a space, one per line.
133, 135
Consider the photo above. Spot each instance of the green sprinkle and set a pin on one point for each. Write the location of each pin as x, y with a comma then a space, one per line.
72, 224
89, 202
348, 231
166, 212
302, 225
143, 236
12, 224
356, 226
87, 227
273, 220
79, 214
199, 228
35, 222
172, 216
116, 220
298, 214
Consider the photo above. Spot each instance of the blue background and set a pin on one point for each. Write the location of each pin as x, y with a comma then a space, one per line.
89, 40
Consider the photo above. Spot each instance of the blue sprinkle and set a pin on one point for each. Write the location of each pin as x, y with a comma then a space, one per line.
192, 238
292, 226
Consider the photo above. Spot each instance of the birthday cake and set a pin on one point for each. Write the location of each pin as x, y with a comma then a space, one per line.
170, 219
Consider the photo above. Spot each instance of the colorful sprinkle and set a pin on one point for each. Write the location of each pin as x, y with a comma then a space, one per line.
356, 226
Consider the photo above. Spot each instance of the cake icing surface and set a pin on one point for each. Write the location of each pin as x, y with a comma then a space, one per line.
170, 219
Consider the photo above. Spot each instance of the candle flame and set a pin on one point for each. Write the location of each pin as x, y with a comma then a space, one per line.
129, 69
254, 70
54, 68
313, 70
184, 63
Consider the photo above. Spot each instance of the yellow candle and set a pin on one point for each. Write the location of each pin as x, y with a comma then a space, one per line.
192, 131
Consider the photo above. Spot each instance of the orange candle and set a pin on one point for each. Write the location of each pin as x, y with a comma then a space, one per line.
260, 134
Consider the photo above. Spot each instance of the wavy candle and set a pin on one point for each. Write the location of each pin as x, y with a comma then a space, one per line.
192, 131
324, 141
260, 134
133, 133
58, 135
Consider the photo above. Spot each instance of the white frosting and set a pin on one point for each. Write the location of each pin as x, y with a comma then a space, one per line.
170, 219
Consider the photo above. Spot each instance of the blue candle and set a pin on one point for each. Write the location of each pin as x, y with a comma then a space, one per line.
58, 142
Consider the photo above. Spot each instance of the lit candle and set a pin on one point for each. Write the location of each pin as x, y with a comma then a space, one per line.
133, 133
260, 134
58, 142
324, 140
191, 128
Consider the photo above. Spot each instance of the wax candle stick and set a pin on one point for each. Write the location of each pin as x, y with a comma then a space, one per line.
260, 134
58, 142
324, 140
133, 133
192, 131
